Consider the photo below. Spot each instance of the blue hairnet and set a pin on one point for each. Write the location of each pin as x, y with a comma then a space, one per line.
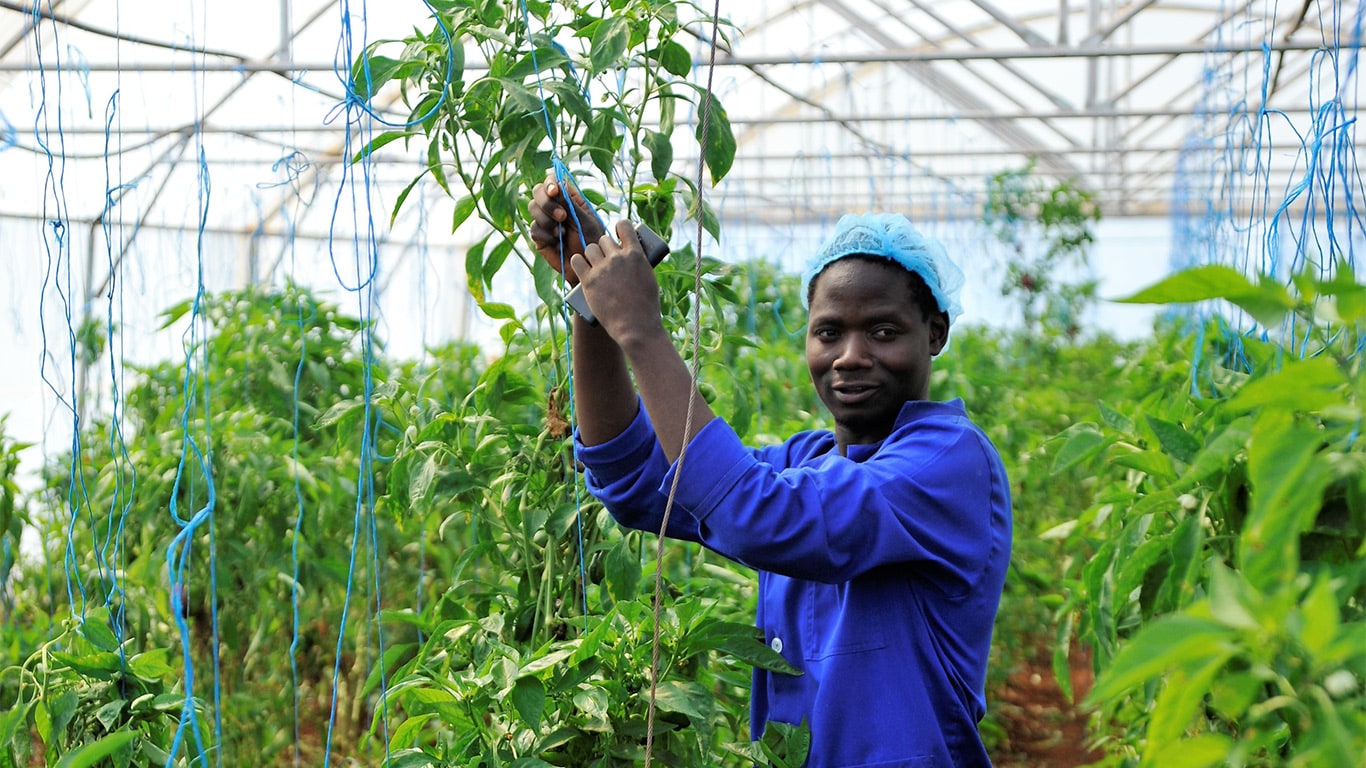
891, 236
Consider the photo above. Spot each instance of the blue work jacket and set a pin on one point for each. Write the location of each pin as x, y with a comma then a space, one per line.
880, 572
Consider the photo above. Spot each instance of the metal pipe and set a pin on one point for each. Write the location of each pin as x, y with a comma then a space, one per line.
1030, 37
886, 56
249, 131
748, 158
74, 23
1100, 34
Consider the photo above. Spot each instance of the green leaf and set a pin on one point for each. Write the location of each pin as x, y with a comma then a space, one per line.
661, 153
1154, 463
785, 744
420, 484
42, 722
339, 411
1175, 440
1287, 482
622, 571
1179, 641
716, 137
571, 99
495, 260
1062, 651
557, 738
743, 641
1230, 598
1305, 386
609, 44
151, 665
593, 705
544, 662
1115, 420
592, 641
9, 723
675, 58
92, 753
436, 166
379, 141
685, 697
367, 80
1231, 694
99, 634
1219, 453
1081, 441
177, 311
1320, 618
403, 196
411, 758
1349, 296
601, 140
1267, 301
524, 99
98, 664
63, 709
1133, 569
463, 208
528, 698
1203, 751
474, 268
108, 715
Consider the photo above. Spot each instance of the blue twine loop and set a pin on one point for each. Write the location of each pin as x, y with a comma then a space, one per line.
356, 101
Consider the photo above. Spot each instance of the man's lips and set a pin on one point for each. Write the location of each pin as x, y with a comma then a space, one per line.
852, 393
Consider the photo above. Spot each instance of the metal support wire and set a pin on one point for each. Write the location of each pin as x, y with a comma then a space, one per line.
883, 56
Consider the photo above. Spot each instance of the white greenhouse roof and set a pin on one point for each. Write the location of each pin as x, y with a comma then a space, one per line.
836, 104
153, 148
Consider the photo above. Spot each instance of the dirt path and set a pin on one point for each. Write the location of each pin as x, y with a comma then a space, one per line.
1045, 730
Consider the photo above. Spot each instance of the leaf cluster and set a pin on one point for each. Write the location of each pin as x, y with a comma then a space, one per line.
1226, 596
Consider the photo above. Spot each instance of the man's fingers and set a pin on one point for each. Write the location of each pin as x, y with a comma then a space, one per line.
582, 263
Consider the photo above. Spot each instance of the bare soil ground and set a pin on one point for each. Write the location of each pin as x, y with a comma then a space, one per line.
1044, 729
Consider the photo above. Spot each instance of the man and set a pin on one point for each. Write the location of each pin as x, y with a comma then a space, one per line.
881, 547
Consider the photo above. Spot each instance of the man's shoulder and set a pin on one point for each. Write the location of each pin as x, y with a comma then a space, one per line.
915, 410
797, 448
939, 425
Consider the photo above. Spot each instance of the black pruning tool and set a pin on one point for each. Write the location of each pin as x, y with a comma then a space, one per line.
655, 251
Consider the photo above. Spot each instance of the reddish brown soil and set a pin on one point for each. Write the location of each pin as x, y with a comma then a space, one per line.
1044, 729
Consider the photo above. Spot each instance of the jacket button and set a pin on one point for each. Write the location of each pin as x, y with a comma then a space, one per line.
777, 645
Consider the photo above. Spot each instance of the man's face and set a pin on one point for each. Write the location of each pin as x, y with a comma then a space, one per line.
868, 346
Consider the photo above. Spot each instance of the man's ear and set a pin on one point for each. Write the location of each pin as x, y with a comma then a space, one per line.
939, 333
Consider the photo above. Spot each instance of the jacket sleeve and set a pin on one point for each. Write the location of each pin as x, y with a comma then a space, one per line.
934, 496
625, 473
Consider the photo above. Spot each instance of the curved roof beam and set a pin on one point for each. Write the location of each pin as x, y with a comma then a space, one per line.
1029, 36
1124, 16
27, 27
968, 37
961, 97
70, 21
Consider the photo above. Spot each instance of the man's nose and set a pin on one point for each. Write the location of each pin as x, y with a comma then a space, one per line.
853, 352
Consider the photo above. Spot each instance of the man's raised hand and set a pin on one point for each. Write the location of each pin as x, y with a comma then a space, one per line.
555, 232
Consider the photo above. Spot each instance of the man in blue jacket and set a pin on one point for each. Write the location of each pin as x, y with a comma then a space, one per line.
881, 547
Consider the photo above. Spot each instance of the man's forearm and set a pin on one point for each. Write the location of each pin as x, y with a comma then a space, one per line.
604, 399
666, 387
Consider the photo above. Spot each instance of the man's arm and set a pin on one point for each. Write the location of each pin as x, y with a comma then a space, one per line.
604, 399
625, 298
620, 286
